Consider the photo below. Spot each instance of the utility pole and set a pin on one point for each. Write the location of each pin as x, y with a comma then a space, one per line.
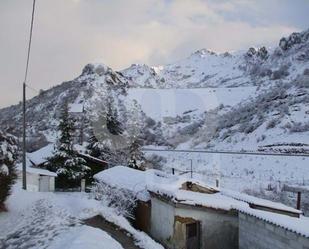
24, 177
24, 138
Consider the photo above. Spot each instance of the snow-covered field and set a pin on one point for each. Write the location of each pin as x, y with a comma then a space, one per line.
241, 172
40, 220
159, 103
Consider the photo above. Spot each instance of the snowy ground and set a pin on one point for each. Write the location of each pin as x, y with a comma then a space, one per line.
159, 103
241, 171
249, 173
54, 221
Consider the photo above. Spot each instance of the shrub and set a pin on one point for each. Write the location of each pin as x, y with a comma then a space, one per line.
299, 127
306, 71
8, 153
155, 161
281, 73
121, 200
272, 123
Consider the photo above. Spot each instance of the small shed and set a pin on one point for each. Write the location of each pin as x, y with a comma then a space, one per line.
38, 180
37, 159
189, 215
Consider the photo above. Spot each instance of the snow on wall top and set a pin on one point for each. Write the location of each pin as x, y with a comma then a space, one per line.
297, 225
125, 178
133, 180
258, 201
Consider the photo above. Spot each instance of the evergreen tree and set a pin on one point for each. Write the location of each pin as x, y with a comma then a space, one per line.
93, 147
65, 161
136, 159
8, 154
112, 122
135, 126
106, 140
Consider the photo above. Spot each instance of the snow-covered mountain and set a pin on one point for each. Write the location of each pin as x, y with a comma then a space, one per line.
272, 117
205, 68
244, 100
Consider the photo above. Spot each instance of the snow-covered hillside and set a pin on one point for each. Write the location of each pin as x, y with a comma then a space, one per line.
160, 103
240, 100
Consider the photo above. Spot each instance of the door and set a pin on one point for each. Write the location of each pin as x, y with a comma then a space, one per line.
44, 184
193, 235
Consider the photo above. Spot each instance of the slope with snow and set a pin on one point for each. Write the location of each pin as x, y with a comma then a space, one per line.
55, 221
160, 103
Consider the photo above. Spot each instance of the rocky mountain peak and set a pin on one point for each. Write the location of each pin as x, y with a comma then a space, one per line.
96, 68
295, 38
204, 52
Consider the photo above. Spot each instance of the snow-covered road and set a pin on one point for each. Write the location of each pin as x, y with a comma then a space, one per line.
55, 221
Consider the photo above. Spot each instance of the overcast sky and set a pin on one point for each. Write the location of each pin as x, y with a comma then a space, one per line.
71, 33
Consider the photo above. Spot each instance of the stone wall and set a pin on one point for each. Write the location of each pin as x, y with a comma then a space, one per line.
255, 233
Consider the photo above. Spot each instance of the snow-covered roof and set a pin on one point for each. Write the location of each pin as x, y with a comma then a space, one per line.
134, 180
297, 225
125, 178
76, 108
40, 156
260, 202
93, 158
174, 192
33, 170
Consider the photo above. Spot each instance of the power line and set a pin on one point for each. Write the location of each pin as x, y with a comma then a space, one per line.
229, 152
30, 41
33, 89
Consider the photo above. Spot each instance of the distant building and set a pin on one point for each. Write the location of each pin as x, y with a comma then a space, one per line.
185, 213
40, 179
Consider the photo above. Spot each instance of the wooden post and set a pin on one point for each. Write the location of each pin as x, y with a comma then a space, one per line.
298, 200
191, 169
173, 171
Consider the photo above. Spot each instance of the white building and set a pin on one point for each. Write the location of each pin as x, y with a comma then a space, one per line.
39, 180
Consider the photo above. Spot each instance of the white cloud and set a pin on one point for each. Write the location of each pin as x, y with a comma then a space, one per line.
69, 34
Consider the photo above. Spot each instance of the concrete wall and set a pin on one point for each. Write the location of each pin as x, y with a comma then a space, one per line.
162, 221
258, 234
32, 182
219, 230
